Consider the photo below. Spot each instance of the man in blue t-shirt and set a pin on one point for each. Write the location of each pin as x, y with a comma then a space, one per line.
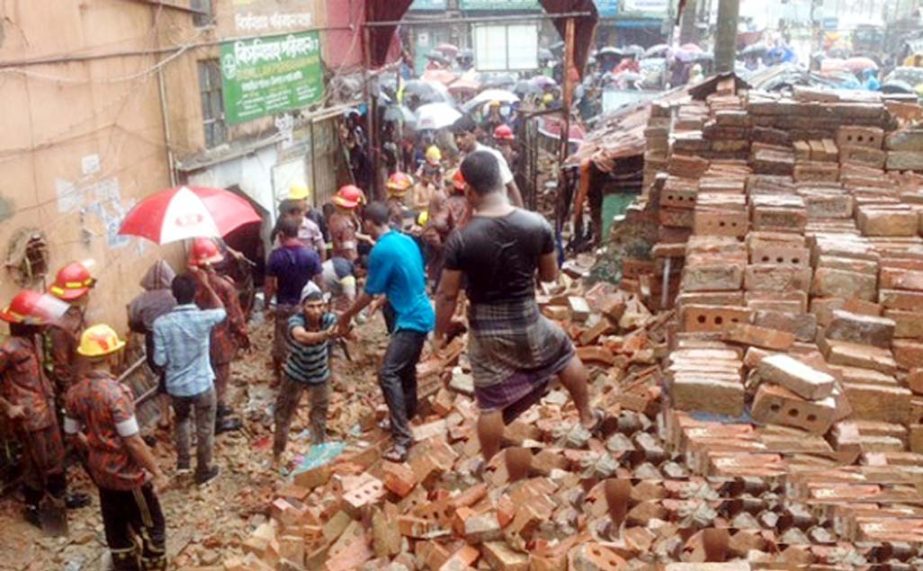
396, 271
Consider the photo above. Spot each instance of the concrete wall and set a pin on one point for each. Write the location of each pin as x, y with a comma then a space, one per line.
82, 139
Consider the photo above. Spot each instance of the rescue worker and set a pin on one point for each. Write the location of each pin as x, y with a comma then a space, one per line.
493, 119
343, 224
227, 336
310, 231
504, 141
72, 284
398, 186
431, 168
101, 418
27, 400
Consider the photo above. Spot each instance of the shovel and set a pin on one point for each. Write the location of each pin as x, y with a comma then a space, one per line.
53, 516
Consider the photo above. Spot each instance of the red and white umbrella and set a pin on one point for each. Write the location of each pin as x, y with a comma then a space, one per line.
186, 212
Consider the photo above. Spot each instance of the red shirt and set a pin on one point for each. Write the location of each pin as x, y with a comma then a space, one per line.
23, 384
98, 402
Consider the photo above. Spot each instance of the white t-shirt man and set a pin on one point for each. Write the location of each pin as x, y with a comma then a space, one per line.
505, 173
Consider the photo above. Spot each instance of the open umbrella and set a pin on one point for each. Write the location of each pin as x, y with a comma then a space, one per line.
660, 50
450, 50
442, 76
857, 64
543, 81
525, 87
436, 115
400, 113
690, 48
497, 80
184, 212
501, 95
897, 86
427, 91
464, 84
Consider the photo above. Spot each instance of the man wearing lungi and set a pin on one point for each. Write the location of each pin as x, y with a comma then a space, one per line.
513, 349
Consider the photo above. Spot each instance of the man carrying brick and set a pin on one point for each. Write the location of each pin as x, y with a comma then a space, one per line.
514, 350
306, 369
289, 268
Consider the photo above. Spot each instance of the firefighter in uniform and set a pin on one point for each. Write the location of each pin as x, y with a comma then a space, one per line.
72, 284
101, 418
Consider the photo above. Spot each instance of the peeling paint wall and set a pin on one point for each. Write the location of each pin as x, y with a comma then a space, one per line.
82, 140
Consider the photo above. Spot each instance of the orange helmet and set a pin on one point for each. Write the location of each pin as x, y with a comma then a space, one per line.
204, 251
349, 196
458, 181
31, 308
504, 133
72, 282
399, 183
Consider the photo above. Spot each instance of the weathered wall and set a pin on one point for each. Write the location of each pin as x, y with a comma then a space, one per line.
82, 141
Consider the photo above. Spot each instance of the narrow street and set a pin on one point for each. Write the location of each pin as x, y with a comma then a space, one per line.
206, 526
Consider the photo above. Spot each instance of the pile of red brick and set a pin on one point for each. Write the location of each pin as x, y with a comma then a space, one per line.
790, 242
758, 364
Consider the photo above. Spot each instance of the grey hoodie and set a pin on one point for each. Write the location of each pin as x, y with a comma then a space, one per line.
156, 300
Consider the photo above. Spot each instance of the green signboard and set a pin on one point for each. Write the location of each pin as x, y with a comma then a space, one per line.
499, 5
270, 75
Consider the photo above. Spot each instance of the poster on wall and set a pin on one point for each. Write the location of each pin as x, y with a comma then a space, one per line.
270, 75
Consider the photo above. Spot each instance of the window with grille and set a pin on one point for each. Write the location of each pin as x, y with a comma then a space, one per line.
206, 16
212, 102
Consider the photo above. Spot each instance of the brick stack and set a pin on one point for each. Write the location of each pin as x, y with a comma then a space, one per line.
799, 305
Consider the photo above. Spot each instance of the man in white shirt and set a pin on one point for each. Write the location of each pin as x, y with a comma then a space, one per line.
465, 131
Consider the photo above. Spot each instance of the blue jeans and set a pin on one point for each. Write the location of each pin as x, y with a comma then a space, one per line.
398, 380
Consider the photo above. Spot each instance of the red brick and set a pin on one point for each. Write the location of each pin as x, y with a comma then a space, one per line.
900, 299
596, 355
777, 278
887, 222
708, 395
862, 329
803, 380
856, 355
776, 405
462, 559
760, 337
501, 557
592, 556
716, 277
701, 318
851, 136
838, 283
879, 402
721, 223
398, 478
908, 353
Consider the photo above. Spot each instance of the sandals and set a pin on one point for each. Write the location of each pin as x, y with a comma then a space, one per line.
600, 416
397, 454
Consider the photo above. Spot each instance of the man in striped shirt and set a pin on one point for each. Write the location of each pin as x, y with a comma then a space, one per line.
306, 369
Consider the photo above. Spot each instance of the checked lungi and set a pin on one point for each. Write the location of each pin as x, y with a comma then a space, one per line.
514, 352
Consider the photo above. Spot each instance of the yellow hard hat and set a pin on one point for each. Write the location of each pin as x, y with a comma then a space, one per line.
423, 218
299, 191
495, 103
433, 154
548, 98
99, 340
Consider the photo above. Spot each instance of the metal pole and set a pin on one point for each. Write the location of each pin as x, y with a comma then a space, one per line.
569, 73
726, 41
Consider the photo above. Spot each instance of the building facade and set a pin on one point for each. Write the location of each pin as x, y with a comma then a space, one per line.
108, 101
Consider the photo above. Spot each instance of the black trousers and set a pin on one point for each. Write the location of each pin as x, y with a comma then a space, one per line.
129, 516
398, 380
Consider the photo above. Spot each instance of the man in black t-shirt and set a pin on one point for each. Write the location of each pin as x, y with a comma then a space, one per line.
513, 349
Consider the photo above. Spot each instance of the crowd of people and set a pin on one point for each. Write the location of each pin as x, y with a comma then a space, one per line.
440, 231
